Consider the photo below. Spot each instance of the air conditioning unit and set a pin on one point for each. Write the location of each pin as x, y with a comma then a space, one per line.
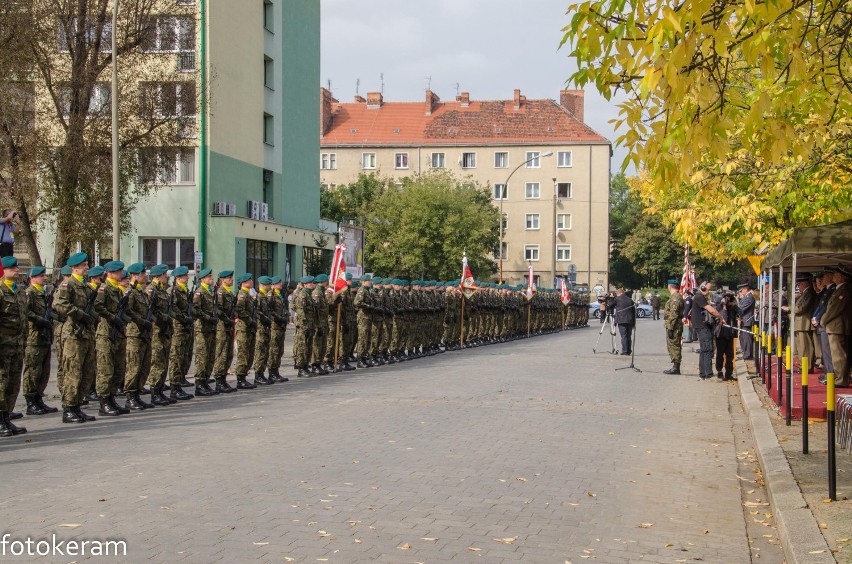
253, 209
224, 208
264, 211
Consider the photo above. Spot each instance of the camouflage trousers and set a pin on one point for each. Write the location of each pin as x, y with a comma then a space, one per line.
60, 343
78, 365
302, 346
377, 327
107, 354
335, 336
261, 348
276, 347
36, 369
161, 346
205, 354
138, 363
398, 334
224, 351
180, 354
245, 348
673, 344
350, 338
319, 345
11, 365
364, 333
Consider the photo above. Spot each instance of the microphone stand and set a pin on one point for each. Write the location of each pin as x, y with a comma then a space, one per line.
632, 347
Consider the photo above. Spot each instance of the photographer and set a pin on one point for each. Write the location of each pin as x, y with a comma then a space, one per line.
724, 334
7, 232
702, 317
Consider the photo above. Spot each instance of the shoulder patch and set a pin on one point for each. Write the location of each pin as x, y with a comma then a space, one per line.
63, 285
101, 289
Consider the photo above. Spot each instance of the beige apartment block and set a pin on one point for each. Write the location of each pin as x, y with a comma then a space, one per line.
548, 172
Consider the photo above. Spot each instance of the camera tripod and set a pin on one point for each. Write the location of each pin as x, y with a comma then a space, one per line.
611, 322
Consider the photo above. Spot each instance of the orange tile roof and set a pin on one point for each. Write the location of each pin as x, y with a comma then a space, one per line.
480, 123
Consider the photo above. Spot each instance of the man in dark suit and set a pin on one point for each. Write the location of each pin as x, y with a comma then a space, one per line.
745, 303
625, 318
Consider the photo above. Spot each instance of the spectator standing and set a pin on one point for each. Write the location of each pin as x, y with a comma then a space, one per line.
803, 328
7, 233
655, 306
625, 318
702, 318
687, 313
816, 320
724, 334
745, 305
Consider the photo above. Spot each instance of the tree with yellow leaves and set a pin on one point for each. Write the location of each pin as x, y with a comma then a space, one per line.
738, 112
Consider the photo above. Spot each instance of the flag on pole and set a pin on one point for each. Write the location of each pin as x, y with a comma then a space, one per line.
530, 283
467, 281
337, 278
563, 292
687, 280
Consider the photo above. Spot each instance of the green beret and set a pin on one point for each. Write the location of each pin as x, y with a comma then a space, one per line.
306, 279
226, 274
37, 271
677, 282
65, 270
205, 273
180, 271
113, 265
388, 281
265, 280
243, 277
321, 278
348, 276
356, 284
377, 279
77, 259
275, 280
96, 271
159, 269
136, 268
9, 262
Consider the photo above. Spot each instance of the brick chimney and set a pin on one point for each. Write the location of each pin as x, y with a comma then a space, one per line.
519, 99
374, 100
573, 101
326, 110
359, 99
431, 100
464, 98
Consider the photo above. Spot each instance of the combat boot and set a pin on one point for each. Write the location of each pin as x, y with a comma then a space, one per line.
133, 402
70, 416
92, 396
260, 379
675, 369
107, 409
33, 407
157, 397
303, 373
319, 370
360, 363
206, 386
5, 431
114, 404
200, 390
43, 406
243, 384
11, 426
276, 377
80, 413
348, 367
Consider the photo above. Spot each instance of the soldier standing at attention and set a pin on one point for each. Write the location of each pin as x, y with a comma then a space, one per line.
13, 326
280, 314
305, 326
246, 327
108, 306
161, 333
673, 319
78, 351
362, 303
65, 273
204, 304
182, 326
225, 332
262, 331
121, 338
39, 338
321, 313
138, 332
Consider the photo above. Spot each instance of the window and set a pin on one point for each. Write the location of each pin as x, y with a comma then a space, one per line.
368, 160
259, 255
268, 73
532, 191
468, 160
171, 251
564, 159
268, 129
438, 160
167, 34
99, 103
67, 34
328, 161
501, 160
504, 254
267, 193
533, 159
268, 12
563, 221
500, 191
401, 160
167, 165
530, 252
167, 99
563, 190
505, 221
533, 221
563, 252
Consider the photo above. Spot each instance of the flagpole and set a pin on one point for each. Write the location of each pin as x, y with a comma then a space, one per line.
462, 320
337, 337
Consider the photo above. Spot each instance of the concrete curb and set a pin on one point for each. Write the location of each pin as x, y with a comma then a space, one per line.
800, 536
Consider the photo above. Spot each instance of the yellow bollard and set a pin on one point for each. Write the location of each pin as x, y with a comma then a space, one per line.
804, 371
832, 462
805, 405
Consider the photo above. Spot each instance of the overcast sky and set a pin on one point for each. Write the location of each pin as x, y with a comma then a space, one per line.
486, 47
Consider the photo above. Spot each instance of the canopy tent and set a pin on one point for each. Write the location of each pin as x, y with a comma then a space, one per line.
814, 247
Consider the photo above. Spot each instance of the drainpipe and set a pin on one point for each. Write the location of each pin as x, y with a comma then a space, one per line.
202, 194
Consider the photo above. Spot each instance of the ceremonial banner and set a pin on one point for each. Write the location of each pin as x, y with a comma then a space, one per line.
337, 278
468, 284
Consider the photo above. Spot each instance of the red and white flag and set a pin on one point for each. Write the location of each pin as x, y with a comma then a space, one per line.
530, 283
563, 292
337, 278
467, 281
687, 280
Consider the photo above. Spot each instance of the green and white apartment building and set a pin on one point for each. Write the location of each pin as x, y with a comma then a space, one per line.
246, 195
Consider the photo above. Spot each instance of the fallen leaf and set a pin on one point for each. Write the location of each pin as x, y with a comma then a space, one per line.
816, 552
754, 504
823, 526
473, 549
591, 494
357, 541
260, 543
70, 525
166, 507
521, 479
352, 522
288, 559
827, 500
428, 538
841, 540
645, 525
669, 545
506, 540
405, 546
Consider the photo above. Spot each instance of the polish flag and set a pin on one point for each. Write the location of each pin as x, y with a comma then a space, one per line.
530, 283
563, 291
467, 280
337, 278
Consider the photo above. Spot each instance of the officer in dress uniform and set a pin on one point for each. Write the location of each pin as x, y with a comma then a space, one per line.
837, 321
673, 320
13, 326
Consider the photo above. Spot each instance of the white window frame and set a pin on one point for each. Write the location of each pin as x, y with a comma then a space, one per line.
328, 161
533, 159
269, 129
159, 241
468, 159
505, 255
565, 159
570, 190
501, 155
400, 161
99, 103
106, 36
176, 168
531, 253
371, 157
496, 192
563, 249
438, 160
533, 188
183, 28
505, 222
532, 221
156, 89
564, 222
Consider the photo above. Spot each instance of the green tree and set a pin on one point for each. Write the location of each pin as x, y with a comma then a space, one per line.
423, 228
348, 202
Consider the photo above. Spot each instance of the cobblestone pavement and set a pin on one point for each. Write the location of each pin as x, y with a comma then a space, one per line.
536, 450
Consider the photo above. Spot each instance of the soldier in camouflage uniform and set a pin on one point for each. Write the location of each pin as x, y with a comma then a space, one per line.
305, 326
182, 328
161, 333
673, 320
280, 314
205, 311
109, 305
39, 338
120, 360
363, 307
350, 329
65, 273
225, 325
138, 332
377, 320
13, 327
262, 331
246, 314
343, 300
321, 324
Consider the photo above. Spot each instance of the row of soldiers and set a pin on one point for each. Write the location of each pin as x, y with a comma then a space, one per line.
388, 320
116, 329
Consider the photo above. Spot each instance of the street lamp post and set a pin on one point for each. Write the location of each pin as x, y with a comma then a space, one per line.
504, 192
116, 251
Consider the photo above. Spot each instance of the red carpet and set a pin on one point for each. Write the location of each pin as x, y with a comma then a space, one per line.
816, 393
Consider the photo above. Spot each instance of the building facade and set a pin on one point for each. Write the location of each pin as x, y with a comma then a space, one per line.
548, 172
244, 189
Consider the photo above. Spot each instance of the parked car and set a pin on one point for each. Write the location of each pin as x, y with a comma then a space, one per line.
642, 310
